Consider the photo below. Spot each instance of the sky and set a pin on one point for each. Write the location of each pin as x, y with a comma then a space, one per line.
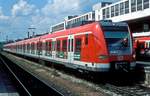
16, 16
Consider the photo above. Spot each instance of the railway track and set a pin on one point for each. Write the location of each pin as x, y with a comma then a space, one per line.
20, 87
136, 90
25, 88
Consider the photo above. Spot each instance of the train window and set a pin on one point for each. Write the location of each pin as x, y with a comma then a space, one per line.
78, 44
48, 46
39, 48
24, 48
58, 45
68, 45
28, 48
21, 47
16, 47
64, 45
53, 45
90, 16
32, 48
86, 17
43, 45
72, 45
86, 39
93, 16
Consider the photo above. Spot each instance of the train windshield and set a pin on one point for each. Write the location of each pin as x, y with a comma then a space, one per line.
117, 39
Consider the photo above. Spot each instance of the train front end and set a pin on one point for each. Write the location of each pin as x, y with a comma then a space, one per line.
118, 42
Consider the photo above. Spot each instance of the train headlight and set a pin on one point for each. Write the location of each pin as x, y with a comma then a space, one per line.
103, 57
134, 56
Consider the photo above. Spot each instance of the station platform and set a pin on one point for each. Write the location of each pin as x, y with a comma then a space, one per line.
144, 63
6, 86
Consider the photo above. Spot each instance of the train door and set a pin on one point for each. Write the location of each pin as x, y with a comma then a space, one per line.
54, 48
70, 48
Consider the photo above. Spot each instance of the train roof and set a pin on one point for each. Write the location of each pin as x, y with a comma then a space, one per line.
55, 34
85, 28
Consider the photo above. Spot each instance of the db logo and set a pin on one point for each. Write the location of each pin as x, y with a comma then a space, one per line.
120, 58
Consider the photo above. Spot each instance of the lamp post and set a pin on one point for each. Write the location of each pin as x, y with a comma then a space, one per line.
32, 30
0, 35
7, 38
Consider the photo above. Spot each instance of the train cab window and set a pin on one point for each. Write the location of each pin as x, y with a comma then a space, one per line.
58, 45
64, 45
78, 42
86, 39
141, 45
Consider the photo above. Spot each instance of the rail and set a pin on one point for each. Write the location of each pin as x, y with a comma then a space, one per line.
137, 90
26, 90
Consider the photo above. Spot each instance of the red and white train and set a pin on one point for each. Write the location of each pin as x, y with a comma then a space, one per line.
98, 46
142, 45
